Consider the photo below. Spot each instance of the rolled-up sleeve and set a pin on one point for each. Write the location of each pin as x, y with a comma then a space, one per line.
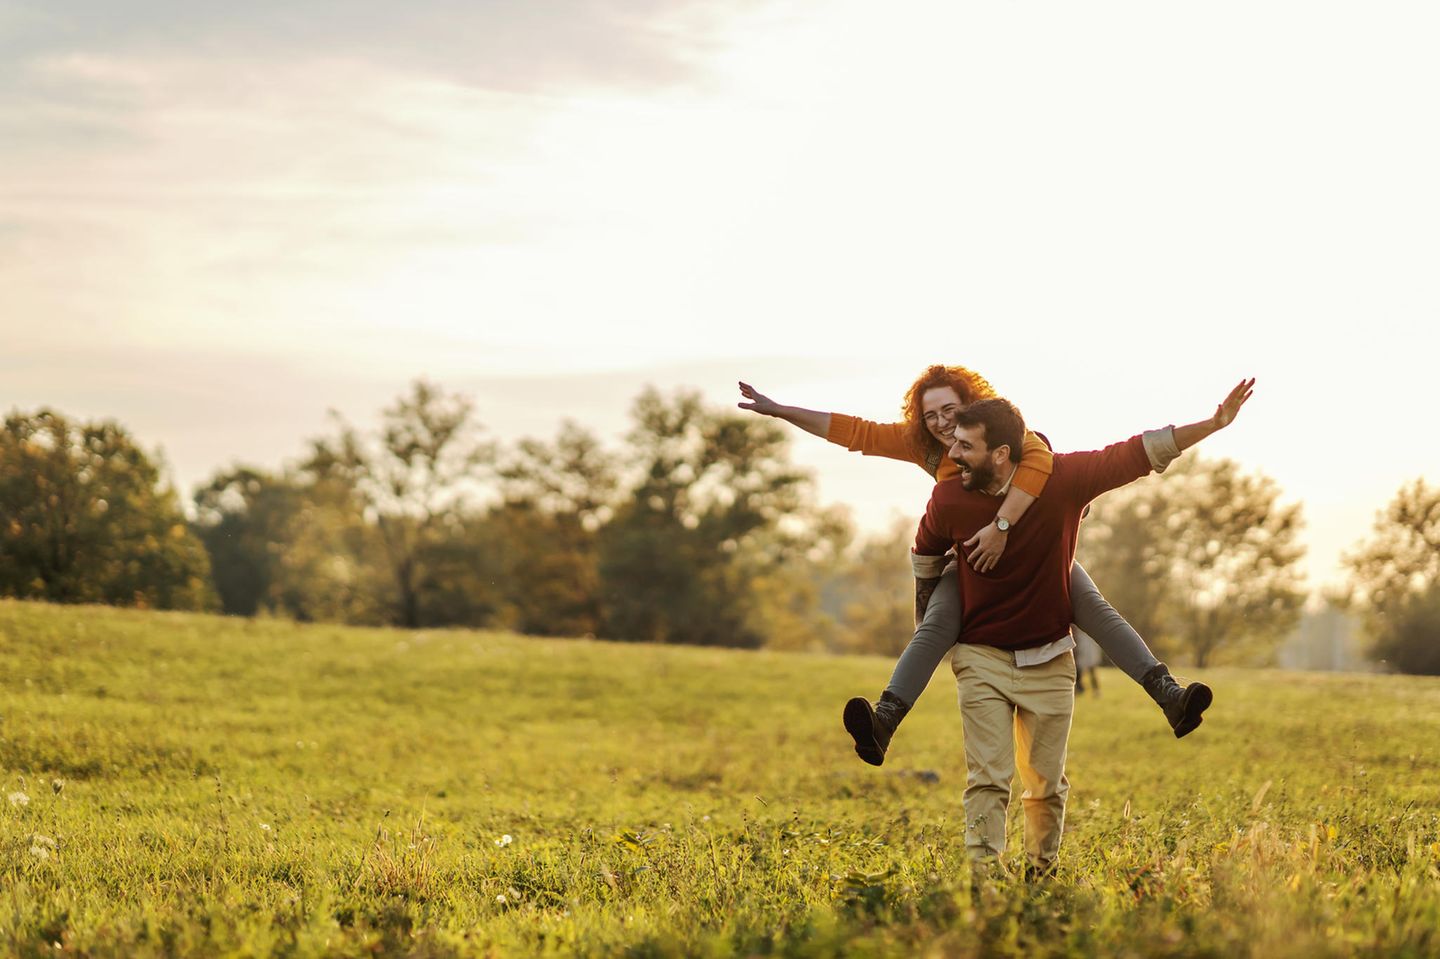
927, 567
1160, 447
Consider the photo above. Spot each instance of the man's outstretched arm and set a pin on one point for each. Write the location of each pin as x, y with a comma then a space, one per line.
1125, 462
1163, 446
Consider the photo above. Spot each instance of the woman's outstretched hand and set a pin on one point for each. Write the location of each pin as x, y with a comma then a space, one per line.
759, 402
811, 421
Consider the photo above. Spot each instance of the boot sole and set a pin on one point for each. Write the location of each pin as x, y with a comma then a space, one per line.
1197, 699
860, 724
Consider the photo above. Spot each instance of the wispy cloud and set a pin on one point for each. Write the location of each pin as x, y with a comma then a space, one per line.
517, 46
342, 169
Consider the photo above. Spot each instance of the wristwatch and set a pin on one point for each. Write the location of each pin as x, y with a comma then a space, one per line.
1002, 524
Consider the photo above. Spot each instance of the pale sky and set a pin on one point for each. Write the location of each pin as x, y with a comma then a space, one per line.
217, 221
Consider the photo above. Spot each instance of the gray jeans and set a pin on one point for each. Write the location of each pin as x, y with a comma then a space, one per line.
941, 629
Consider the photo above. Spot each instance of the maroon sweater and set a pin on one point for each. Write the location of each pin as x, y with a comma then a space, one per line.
1025, 600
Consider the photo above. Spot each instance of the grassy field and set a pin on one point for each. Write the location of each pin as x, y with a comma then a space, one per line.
190, 785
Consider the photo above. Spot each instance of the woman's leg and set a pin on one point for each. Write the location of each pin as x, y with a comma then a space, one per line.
1183, 705
933, 638
871, 726
1094, 614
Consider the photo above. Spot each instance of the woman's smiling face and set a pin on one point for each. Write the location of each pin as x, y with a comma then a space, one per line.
938, 405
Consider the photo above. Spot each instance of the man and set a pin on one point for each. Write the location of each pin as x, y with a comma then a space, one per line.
1014, 664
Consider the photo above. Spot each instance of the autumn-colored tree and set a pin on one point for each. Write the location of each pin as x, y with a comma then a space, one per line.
86, 518
1396, 580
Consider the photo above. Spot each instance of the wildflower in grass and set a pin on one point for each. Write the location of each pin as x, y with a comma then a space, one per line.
501, 899
265, 826
41, 846
504, 840
19, 799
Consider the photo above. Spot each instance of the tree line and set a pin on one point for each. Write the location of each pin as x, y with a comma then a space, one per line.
697, 529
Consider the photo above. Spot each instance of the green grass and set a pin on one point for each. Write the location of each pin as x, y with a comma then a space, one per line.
204, 786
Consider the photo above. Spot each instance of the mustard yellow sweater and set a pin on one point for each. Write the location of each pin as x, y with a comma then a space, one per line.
891, 439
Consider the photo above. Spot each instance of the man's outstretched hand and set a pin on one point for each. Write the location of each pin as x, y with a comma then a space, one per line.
1226, 412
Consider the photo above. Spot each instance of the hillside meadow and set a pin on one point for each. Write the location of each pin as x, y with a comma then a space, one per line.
194, 785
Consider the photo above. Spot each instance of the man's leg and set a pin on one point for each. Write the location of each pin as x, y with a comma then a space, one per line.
984, 675
1045, 701
872, 726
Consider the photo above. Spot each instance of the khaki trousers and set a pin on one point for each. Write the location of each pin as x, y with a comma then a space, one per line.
1014, 716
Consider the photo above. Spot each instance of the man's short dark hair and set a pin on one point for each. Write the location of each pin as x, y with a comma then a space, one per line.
1002, 423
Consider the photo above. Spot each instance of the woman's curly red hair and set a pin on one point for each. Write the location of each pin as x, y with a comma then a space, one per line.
967, 384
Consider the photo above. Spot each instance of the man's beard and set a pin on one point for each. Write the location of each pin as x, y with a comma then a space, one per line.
979, 477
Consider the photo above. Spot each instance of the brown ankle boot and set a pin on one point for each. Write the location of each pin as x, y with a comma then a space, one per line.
872, 726
1182, 704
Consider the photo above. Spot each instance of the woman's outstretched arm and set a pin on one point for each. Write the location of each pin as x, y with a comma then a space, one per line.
890, 440
811, 421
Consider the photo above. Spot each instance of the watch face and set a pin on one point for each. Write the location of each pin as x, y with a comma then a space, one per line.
1002, 524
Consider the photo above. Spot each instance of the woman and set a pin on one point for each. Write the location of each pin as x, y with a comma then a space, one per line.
923, 438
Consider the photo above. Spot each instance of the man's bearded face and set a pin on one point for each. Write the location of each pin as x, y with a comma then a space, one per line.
972, 454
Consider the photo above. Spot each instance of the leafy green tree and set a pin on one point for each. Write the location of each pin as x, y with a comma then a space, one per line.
1218, 555
241, 517
715, 506
544, 535
293, 545
86, 518
412, 481
1395, 577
